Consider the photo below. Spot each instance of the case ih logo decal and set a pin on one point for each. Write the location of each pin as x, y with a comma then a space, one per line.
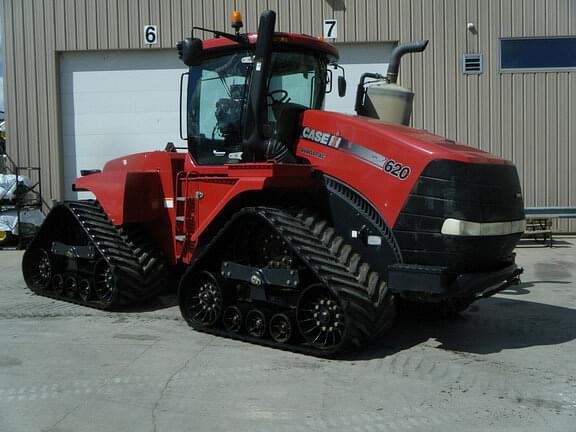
321, 137
389, 166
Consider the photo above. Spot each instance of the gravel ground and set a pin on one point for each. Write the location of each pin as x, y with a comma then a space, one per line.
507, 364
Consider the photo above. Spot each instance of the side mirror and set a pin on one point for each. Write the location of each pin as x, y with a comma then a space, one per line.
190, 51
341, 86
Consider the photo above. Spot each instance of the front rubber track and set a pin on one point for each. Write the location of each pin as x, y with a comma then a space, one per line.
138, 268
370, 306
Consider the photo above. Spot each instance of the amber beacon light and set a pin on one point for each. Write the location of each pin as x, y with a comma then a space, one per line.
236, 19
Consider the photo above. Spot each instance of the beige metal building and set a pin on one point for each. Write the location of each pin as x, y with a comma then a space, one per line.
82, 84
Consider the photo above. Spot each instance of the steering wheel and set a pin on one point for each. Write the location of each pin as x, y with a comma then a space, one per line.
277, 96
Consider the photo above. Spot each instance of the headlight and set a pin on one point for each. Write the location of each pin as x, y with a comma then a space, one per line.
458, 227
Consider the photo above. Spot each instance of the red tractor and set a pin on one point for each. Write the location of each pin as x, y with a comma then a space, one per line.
288, 225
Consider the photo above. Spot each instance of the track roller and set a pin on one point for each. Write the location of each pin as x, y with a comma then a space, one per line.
57, 284
232, 319
84, 290
256, 323
280, 328
71, 285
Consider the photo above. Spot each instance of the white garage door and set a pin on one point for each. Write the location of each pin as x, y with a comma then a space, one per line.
357, 59
114, 104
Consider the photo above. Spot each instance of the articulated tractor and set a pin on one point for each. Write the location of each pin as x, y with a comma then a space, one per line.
287, 225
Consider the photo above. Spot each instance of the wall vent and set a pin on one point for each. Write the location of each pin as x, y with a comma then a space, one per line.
472, 64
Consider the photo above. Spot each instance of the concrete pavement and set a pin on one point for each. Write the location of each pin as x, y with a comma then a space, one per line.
508, 364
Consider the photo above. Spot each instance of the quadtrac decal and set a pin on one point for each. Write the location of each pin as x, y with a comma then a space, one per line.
312, 153
389, 166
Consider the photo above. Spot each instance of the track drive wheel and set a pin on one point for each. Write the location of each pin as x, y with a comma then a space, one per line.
201, 303
321, 318
104, 282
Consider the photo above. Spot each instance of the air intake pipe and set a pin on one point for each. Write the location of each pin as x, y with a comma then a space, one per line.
382, 98
398, 53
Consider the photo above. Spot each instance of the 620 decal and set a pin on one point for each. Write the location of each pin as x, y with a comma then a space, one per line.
396, 169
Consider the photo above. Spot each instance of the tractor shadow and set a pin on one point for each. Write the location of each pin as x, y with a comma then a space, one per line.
489, 326
164, 301
167, 299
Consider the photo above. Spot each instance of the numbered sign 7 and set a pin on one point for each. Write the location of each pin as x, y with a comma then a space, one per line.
330, 29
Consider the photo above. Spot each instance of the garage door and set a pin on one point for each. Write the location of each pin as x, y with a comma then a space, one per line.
116, 103
357, 59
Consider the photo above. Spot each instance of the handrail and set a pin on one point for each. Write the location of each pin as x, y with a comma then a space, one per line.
550, 212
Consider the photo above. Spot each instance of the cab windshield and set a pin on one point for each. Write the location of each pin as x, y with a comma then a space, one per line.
218, 95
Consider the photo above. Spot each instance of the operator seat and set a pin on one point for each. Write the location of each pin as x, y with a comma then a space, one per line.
287, 123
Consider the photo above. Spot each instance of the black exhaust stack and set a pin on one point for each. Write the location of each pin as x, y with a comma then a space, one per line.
254, 144
398, 53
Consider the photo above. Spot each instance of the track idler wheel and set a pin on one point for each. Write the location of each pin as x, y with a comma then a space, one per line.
281, 328
320, 318
232, 319
201, 303
256, 323
38, 269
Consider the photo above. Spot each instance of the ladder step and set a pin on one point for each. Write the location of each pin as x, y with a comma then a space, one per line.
180, 198
180, 218
180, 238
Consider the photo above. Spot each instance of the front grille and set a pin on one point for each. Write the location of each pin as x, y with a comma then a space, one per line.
465, 191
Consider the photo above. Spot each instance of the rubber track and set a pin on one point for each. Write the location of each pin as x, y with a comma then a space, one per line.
370, 309
138, 269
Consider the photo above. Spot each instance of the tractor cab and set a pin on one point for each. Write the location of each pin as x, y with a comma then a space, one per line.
246, 92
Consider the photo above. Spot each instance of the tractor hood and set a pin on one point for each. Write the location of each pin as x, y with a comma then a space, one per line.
377, 136
383, 160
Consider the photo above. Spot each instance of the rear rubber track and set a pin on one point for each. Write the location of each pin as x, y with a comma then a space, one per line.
138, 269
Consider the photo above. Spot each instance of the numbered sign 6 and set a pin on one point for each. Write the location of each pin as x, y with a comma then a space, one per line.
330, 29
150, 34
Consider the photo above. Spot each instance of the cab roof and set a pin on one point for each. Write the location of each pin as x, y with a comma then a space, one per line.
280, 39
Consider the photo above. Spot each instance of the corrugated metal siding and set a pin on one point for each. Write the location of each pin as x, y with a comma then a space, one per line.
527, 117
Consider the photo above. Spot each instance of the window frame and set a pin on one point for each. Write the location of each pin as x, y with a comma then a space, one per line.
533, 69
